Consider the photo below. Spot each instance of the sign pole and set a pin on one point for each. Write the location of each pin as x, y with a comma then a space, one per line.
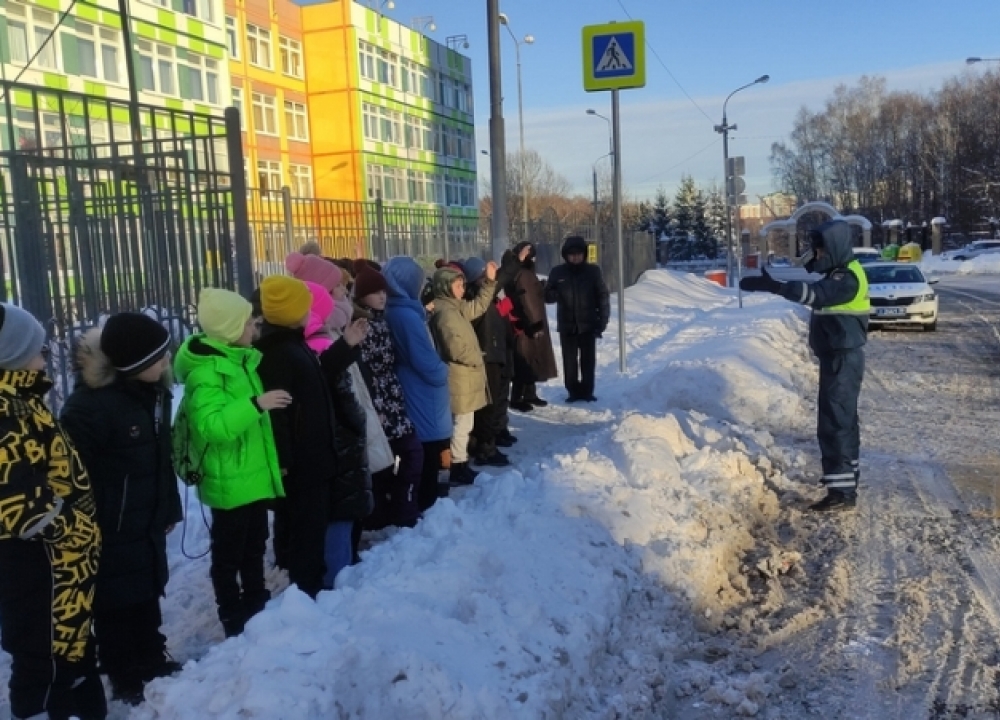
614, 58
616, 132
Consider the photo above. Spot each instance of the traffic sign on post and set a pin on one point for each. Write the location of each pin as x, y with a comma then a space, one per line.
614, 56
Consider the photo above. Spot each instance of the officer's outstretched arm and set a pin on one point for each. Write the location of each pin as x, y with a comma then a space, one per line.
837, 288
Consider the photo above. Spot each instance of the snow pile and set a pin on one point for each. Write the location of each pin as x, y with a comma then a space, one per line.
507, 601
985, 264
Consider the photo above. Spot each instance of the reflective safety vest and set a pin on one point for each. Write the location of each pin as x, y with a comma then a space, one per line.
860, 305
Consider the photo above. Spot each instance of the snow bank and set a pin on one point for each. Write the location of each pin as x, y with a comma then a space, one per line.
985, 264
502, 603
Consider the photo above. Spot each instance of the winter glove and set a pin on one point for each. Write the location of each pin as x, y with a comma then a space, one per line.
535, 330
764, 283
809, 261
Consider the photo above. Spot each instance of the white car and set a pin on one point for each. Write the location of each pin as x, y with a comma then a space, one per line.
974, 249
901, 295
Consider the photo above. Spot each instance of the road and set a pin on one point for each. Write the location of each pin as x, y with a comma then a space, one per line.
904, 594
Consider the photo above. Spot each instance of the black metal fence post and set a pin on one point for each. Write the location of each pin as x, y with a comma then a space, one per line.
241, 219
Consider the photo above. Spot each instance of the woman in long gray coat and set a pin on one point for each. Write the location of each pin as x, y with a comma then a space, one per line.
456, 341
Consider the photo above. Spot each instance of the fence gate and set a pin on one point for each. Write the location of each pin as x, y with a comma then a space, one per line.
93, 222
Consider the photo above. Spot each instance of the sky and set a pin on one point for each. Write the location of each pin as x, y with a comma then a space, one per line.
707, 49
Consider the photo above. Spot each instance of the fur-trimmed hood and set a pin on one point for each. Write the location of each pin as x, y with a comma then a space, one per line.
94, 367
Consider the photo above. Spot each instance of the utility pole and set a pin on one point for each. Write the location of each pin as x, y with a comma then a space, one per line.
500, 239
133, 91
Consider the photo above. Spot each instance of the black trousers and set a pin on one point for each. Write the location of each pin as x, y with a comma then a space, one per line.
837, 426
429, 491
239, 540
492, 419
579, 355
396, 492
129, 642
33, 623
523, 391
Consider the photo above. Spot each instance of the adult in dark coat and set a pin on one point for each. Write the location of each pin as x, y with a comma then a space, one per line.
119, 420
496, 338
304, 432
583, 307
534, 360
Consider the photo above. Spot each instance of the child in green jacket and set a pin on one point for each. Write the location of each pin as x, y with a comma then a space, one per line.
231, 443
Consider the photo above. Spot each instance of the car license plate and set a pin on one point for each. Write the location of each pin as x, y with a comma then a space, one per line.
890, 311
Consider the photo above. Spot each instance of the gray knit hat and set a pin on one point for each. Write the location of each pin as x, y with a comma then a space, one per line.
21, 337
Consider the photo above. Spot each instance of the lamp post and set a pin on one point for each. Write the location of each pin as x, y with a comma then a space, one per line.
455, 41
498, 145
724, 128
593, 168
611, 142
423, 23
528, 40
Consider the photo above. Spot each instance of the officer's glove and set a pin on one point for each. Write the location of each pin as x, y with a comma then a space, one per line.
764, 283
809, 261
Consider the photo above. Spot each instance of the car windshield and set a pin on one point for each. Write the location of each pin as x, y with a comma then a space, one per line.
893, 274
866, 257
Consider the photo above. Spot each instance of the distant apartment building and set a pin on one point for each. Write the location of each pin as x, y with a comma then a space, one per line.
391, 112
267, 67
180, 63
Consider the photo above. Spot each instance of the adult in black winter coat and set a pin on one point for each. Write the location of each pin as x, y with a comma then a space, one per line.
119, 420
304, 432
583, 307
534, 360
496, 340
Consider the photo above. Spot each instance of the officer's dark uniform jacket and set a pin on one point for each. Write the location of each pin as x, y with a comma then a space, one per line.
840, 300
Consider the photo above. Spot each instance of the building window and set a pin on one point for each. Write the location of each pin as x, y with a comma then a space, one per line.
212, 80
391, 126
369, 118
387, 62
291, 56
301, 180
269, 175
165, 70
238, 104
265, 114
296, 121
366, 61
26, 37
232, 38
259, 47
98, 52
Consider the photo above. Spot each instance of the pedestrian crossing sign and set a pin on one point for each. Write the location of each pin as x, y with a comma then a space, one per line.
614, 56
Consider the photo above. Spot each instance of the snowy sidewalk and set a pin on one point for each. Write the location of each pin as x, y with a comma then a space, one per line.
511, 601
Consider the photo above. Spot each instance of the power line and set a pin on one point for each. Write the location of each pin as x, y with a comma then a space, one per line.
661, 173
664, 65
48, 37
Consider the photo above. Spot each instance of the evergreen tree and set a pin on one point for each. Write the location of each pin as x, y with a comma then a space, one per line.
683, 243
715, 217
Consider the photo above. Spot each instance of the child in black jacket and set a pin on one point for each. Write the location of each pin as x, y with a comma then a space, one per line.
119, 419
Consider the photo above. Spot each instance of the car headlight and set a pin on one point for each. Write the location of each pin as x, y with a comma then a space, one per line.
928, 297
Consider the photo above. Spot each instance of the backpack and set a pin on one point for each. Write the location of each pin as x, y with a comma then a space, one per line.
187, 457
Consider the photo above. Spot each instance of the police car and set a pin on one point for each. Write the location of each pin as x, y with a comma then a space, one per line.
901, 295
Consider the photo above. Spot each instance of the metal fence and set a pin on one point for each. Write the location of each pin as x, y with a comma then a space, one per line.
280, 224
95, 221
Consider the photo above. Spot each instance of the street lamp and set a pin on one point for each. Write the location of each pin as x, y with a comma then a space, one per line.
528, 40
724, 128
423, 23
974, 60
593, 168
379, 5
611, 142
454, 41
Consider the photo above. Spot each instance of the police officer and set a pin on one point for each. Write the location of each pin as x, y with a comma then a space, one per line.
838, 331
